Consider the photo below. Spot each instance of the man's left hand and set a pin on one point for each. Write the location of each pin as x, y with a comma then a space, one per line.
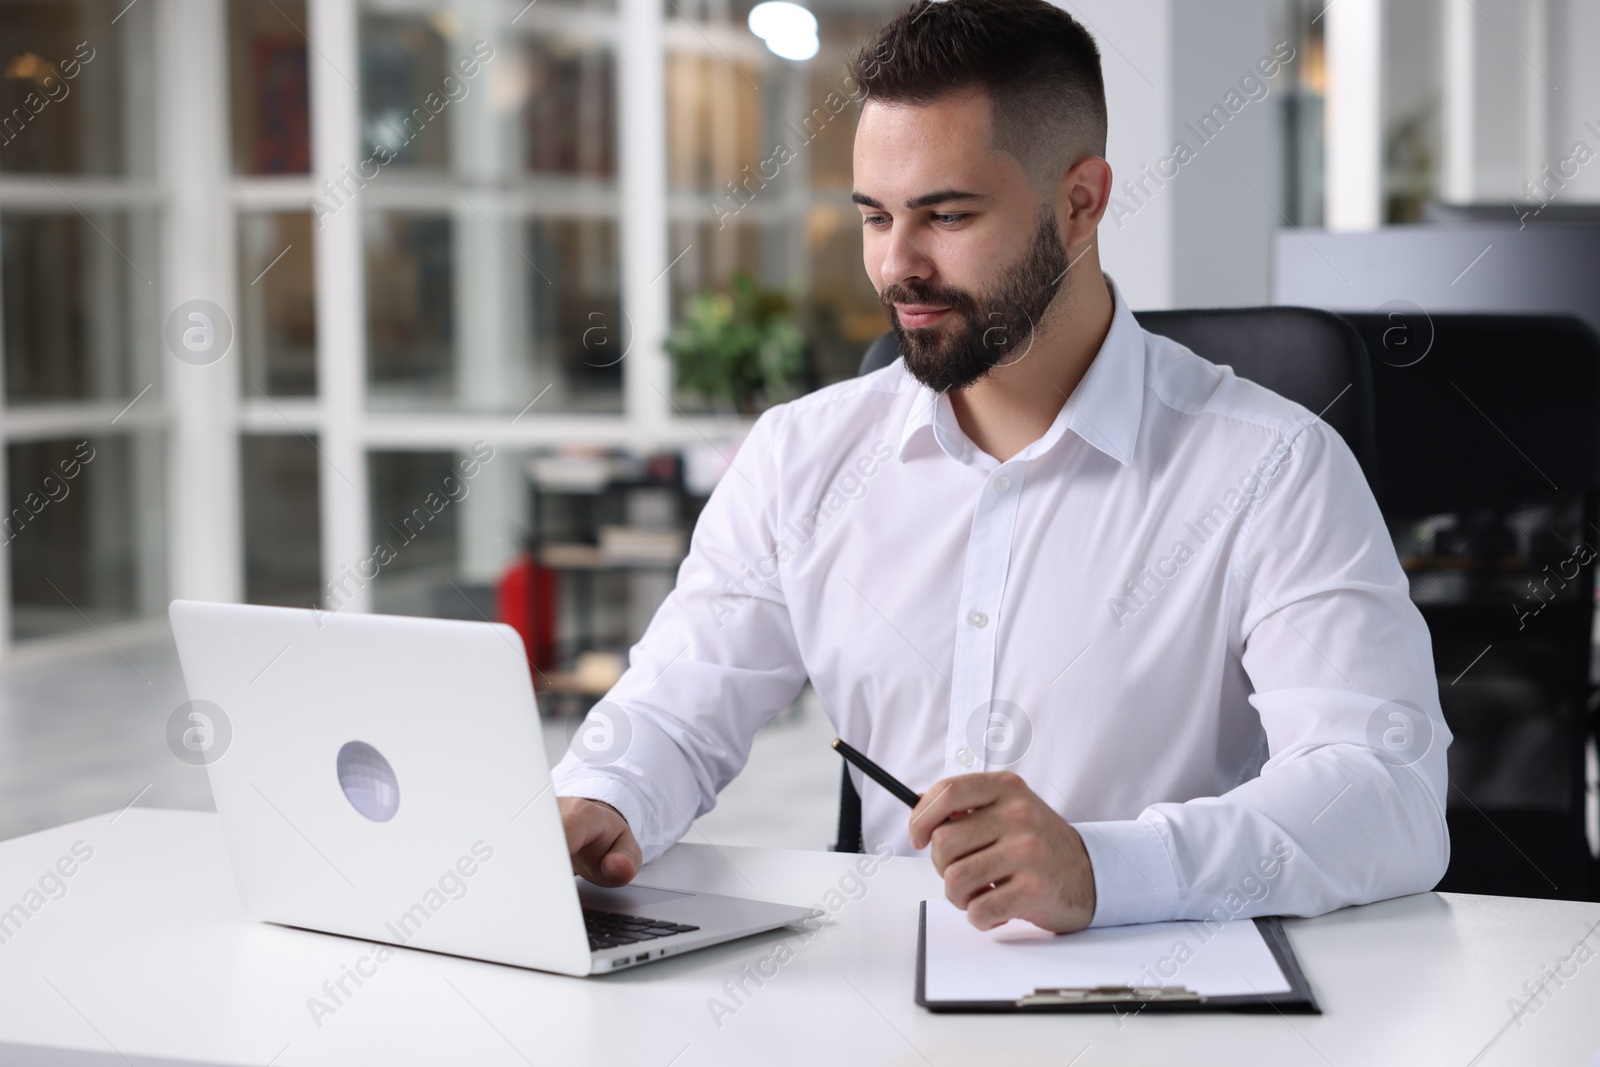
1004, 853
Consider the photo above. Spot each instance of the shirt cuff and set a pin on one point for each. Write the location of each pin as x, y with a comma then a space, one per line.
614, 792
1134, 881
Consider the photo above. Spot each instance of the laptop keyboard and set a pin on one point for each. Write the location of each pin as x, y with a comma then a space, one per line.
608, 929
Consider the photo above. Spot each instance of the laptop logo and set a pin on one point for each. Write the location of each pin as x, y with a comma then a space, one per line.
368, 781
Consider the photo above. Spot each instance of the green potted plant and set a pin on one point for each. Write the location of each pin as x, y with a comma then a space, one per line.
741, 346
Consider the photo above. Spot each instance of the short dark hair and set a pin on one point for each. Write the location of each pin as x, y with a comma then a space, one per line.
1039, 67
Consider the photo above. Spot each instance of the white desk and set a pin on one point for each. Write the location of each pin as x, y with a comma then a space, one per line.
147, 952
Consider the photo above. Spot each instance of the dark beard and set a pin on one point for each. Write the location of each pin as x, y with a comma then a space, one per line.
1000, 322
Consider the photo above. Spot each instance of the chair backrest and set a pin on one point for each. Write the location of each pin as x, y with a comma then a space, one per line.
1482, 410
1312, 357
1488, 431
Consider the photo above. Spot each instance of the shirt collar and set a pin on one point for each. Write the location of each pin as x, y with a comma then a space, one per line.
1103, 410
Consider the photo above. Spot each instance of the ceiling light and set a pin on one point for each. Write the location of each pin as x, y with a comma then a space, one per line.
789, 29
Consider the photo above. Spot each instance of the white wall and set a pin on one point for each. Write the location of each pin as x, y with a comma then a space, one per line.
1227, 200
1135, 46
1574, 28
1200, 238
1522, 87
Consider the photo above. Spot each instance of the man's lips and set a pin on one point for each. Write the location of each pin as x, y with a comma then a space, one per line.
915, 315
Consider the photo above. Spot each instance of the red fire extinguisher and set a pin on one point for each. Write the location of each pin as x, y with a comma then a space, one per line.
525, 600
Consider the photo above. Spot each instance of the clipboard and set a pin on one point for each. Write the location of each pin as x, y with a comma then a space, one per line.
1175, 997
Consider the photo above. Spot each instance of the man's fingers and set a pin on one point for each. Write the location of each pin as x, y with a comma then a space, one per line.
621, 861
616, 868
952, 796
584, 821
962, 837
591, 864
972, 877
995, 906
610, 859
602, 847
577, 826
936, 806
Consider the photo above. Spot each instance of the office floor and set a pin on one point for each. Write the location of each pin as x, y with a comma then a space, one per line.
85, 732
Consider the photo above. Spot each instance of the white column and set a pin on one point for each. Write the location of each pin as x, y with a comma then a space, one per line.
1536, 90
647, 373
148, 357
1460, 83
1575, 109
1136, 242
197, 235
5, 494
488, 242
493, 275
341, 298
1354, 45
793, 253
1226, 202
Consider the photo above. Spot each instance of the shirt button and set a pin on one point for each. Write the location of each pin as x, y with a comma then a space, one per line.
1002, 483
964, 756
978, 619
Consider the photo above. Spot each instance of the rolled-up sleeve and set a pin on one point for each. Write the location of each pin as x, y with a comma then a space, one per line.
1349, 806
718, 661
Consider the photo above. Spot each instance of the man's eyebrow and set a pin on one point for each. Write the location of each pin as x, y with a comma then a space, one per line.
943, 196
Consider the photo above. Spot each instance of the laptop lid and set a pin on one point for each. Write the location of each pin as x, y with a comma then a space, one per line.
384, 777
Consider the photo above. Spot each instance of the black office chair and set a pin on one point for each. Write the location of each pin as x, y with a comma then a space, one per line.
1488, 448
1312, 357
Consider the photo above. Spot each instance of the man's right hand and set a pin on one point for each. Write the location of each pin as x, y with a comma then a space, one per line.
602, 847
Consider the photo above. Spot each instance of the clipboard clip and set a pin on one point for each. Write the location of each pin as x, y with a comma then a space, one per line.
1109, 994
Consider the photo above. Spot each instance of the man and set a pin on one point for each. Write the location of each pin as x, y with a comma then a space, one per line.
1132, 625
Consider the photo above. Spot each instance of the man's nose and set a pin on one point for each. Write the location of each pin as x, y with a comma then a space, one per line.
903, 261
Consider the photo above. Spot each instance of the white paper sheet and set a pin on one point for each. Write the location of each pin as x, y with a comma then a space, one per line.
1013, 960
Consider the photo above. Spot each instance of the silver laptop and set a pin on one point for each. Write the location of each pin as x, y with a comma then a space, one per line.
385, 778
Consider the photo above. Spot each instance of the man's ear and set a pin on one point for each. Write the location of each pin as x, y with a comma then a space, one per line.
1082, 196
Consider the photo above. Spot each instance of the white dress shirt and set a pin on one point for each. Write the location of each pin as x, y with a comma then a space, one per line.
1177, 615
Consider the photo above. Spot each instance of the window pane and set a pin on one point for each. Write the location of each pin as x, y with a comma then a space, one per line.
499, 283
270, 88
714, 125
277, 307
759, 155
410, 317
403, 65
711, 254
78, 304
70, 100
571, 113
1300, 109
445, 527
282, 521
84, 524
844, 313
727, 106
578, 334
814, 260
542, 316
829, 125
417, 525
526, 14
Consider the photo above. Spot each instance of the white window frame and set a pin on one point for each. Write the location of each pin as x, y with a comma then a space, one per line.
200, 202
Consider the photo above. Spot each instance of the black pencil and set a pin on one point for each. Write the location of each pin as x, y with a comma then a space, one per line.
877, 774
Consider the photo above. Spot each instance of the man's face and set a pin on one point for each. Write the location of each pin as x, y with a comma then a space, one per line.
965, 256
